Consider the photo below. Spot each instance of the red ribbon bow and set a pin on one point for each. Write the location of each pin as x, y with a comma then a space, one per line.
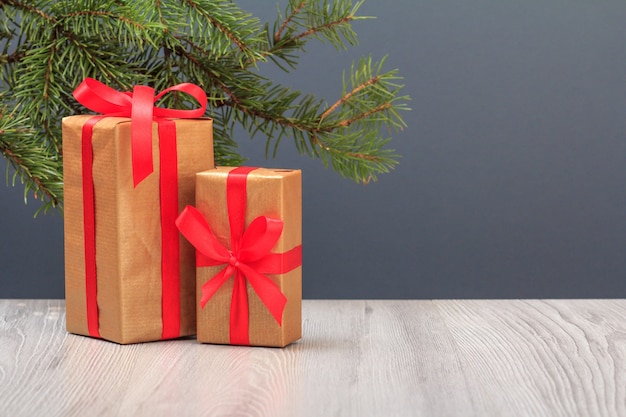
139, 106
249, 258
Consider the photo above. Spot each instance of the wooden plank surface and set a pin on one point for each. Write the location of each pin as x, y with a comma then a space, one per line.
357, 358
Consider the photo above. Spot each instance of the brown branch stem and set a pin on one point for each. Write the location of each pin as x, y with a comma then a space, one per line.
101, 13
291, 123
347, 97
283, 26
358, 155
304, 34
368, 113
242, 47
31, 9
328, 25
49, 68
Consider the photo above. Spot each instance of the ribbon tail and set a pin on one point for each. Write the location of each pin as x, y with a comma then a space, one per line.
268, 292
239, 313
141, 132
259, 238
210, 287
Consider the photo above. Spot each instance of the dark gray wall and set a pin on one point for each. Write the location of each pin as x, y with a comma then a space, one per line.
513, 170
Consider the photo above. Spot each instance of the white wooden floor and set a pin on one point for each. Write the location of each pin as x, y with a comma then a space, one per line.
357, 358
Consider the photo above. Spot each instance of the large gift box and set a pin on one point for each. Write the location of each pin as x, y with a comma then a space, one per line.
247, 230
129, 275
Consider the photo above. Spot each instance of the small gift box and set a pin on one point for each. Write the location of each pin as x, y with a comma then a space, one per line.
247, 230
129, 275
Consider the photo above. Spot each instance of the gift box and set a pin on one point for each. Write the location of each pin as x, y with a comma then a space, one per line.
247, 230
129, 275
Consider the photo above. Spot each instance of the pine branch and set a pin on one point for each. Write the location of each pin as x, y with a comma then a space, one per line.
226, 26
294, 11
47, 47
24, 6
343, 100
310, 19
348, 130
37, 168
221, 27
327, 22
356, 155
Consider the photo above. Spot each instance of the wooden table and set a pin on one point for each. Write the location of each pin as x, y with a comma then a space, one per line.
357, 358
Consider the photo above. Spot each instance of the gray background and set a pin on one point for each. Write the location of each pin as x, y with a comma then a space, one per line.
512, 177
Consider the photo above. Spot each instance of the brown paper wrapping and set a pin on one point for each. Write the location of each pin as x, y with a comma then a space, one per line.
273, 193
128, 229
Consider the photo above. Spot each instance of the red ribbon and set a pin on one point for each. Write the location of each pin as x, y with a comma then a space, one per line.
139, 106
249, 259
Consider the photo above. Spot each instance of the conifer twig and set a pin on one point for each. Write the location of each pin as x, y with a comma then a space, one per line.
348, 96
283, 26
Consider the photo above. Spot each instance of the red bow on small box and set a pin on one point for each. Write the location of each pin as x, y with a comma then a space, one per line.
139, 106
249, 258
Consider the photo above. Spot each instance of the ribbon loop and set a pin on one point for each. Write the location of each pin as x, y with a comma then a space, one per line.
197, 231
259, 238
189, 89
103, 99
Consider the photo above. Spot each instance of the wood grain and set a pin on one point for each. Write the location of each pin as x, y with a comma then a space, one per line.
356, 358
542, 358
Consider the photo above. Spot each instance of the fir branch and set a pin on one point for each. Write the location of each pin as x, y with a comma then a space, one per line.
347, 97
21, 166
326, 22
283, 26
326, 26
365, 115
221, 27
305, 20
372, 99
46, 86
28, 8
47, 47
368, 92
12, 58
231, 26
37, 169
356, 155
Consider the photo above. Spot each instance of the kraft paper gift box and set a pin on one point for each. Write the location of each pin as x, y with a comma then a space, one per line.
136, 295
249, 294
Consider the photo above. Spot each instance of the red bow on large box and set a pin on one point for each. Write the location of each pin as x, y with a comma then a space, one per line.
140, 107
249, 257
